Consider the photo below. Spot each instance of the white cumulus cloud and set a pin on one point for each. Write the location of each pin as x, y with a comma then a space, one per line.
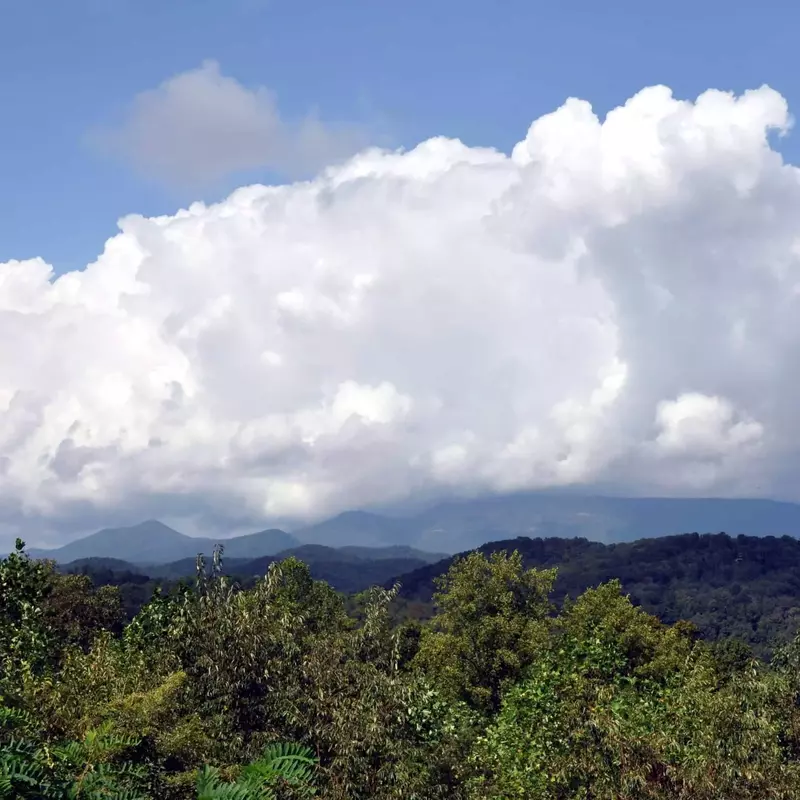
199, 126
703, 426
615, 303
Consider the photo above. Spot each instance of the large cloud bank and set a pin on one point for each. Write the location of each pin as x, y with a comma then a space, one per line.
615, 303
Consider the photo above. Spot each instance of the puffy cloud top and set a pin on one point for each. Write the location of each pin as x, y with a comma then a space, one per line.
615, 303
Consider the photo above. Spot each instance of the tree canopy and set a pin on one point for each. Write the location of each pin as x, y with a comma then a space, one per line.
288, 689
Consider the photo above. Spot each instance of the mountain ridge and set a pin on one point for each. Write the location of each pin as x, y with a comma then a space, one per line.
457, 525
343, 569
152, 542
312, 554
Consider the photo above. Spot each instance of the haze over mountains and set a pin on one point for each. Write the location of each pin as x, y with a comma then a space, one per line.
744, 584
152, 542
455, 526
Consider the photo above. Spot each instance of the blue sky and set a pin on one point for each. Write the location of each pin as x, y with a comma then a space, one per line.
401, 72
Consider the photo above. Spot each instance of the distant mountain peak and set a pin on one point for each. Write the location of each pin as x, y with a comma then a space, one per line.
453, 527
151, 526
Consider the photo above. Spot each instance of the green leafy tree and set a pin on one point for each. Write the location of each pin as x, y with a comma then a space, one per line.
621, 706
490, 625
26, 641
43, 613
75, 612
375, 728
496, 698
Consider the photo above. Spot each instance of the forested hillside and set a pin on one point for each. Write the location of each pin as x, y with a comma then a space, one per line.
284, 690
746, 587
346, 569
743, 587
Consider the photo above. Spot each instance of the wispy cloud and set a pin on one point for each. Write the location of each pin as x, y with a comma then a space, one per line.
200, 126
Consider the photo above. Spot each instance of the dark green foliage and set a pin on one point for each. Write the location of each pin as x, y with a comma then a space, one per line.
345, 574
96, 768
742, 587
348, 570
42, 613
74, 611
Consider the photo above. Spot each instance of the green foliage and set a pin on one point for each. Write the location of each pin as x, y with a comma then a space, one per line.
43, 613
731, 657
501, 696
286, 766
616, 710
92, 768
89, 769
743, 587
74, 612
25, 639
491, 622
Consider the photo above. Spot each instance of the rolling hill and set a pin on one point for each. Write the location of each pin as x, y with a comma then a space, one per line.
345, 570
744, 586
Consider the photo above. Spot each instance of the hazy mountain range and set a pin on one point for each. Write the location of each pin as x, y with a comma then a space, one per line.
152, 542
348, 569
452, 527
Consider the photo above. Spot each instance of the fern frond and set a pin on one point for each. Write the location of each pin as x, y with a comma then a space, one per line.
15, 718
287, 762
280, 764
